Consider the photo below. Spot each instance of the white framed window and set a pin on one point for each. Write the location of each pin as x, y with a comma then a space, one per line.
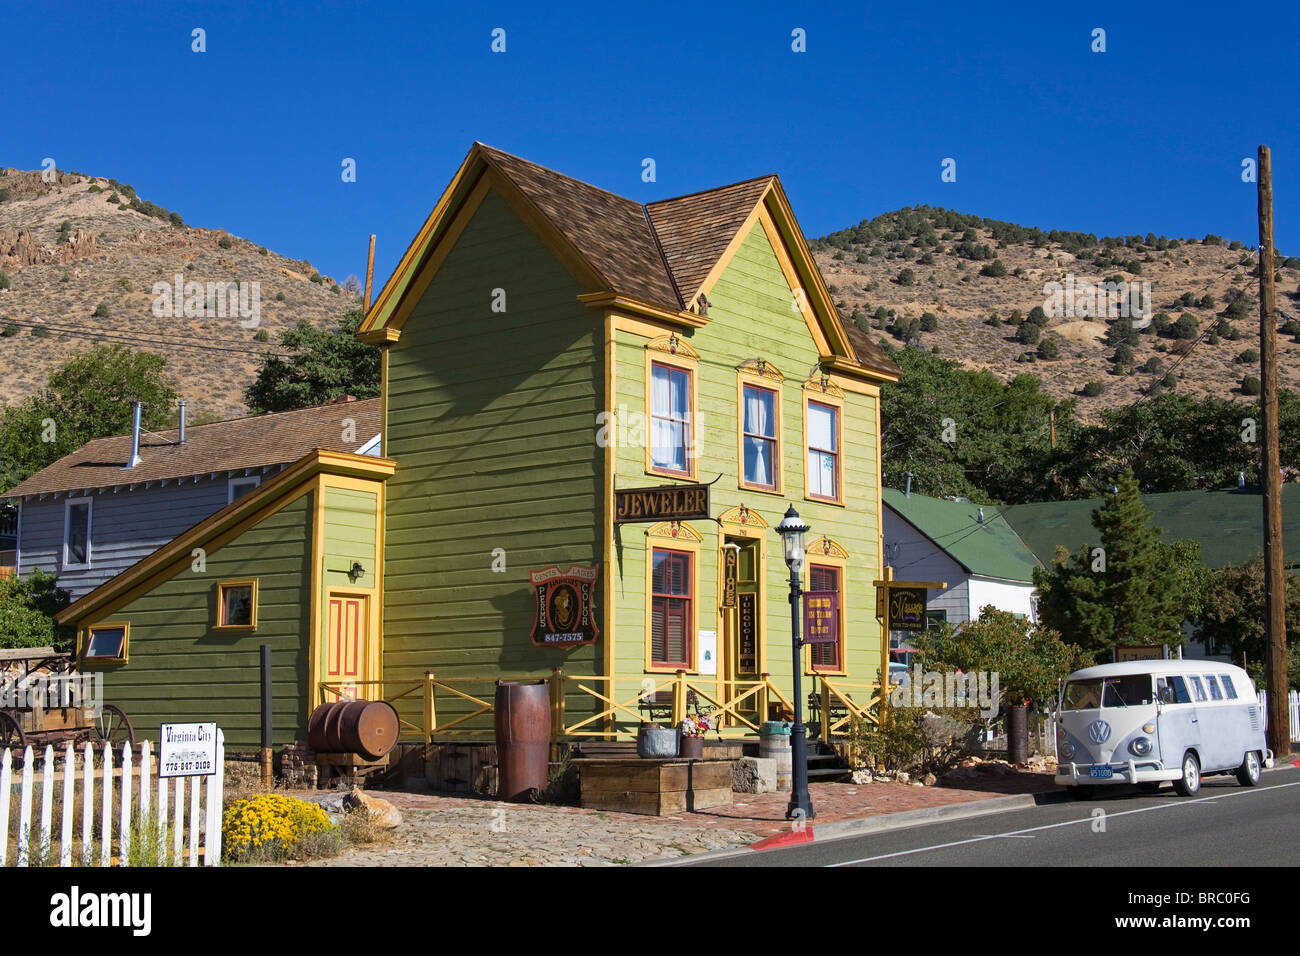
236, 488
76, 533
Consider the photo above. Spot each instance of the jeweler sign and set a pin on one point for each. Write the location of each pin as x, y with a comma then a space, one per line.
564, 616
821, 617
187, 750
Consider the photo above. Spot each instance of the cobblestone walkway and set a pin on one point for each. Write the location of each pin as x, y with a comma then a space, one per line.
464, 831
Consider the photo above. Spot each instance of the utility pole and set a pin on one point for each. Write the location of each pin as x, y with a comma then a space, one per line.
1279, 722
370, 270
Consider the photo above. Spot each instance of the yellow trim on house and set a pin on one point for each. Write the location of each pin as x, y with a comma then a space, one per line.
381, 336
221, 624
611, 467
687, 540
854, 385
769, 378
880, 545
645, 310
374, 644
690, 365
383, 401
641, 327
832, 396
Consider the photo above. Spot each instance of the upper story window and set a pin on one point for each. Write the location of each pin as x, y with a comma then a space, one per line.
672, 439
823, 437
107, 642
236, 488
76, 533
760, 444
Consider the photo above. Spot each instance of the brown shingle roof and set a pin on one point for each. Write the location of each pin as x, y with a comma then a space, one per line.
253, 442
869, 354
695, 230
610, 231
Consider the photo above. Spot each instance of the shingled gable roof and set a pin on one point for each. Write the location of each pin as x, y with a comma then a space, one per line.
255, 442
659, 254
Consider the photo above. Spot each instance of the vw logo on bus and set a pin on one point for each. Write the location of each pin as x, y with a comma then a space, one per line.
1099, 731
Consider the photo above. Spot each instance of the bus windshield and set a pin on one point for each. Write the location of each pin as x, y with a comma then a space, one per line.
1126, 690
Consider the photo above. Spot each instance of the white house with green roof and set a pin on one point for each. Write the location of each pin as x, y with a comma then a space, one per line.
969, 546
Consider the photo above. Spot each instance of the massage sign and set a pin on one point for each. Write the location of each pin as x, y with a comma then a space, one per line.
907, 608
564, 615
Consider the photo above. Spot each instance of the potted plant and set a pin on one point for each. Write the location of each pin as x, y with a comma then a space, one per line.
655, 742
693, 730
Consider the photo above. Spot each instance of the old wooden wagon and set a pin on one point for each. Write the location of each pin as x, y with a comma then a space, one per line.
42, 703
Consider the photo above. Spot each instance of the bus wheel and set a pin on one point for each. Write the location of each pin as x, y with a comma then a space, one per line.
1190, 782
1248, 772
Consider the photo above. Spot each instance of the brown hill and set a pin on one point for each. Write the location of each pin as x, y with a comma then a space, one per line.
82, 255
947, 254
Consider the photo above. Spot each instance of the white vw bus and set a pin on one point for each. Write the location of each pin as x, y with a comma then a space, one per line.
1145, 722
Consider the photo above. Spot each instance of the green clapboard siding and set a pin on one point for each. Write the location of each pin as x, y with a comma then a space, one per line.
491, 417
751, 317
182, 670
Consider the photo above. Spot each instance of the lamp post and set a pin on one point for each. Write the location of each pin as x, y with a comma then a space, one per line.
792, 529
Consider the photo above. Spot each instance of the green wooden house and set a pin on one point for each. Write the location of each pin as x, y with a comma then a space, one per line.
548, 347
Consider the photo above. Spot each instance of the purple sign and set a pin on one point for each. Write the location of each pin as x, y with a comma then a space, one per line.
821, 617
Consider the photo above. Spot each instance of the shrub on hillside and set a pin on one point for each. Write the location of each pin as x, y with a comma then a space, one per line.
1048, 348
101, 311
1027, 334
1093, 389
905, 277
1247, 357
994, 269
929, 322
1250, 385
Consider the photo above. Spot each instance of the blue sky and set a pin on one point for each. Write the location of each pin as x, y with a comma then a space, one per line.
250, 135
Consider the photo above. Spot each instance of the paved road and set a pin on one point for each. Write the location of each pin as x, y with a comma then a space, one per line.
1225, 825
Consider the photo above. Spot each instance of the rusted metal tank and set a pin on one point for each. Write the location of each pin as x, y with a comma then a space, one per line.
523, 732
367, 728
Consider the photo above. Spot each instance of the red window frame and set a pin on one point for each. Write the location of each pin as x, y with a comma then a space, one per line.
672, 605
828, 657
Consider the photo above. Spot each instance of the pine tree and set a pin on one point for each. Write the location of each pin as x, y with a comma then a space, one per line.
1130, 589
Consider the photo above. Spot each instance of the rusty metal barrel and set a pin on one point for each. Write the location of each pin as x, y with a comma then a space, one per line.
367, 728
523, 735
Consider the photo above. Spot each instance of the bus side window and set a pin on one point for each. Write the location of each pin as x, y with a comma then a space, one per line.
1227, 686
1196, 687
1213, 687
1173, 690
1164, 691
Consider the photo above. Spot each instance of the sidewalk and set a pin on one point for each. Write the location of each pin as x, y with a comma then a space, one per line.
466, 831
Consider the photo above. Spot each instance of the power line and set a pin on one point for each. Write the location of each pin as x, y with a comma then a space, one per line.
132, 337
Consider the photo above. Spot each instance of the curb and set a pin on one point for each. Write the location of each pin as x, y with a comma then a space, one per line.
879, 823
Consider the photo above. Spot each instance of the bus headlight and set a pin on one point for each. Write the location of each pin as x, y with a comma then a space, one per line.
1140, 746
1064, 748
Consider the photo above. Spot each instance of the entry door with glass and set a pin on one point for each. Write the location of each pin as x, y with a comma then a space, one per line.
744, 623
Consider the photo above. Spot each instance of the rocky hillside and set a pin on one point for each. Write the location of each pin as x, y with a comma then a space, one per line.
964, 285
79, 259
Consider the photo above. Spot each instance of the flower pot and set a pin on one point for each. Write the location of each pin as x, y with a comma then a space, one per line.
656, 742
692, 748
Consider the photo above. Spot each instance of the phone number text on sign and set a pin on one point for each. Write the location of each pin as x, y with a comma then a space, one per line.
187, 750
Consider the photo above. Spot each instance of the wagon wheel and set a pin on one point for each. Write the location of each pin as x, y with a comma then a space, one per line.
11, 734
113, 726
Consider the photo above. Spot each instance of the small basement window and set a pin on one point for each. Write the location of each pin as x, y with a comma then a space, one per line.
107, 643
237, 604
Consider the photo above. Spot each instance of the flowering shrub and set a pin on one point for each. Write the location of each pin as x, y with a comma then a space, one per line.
271, 827
696, 726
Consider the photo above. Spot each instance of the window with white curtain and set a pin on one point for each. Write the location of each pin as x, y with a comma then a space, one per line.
823, 451
670, 419
759, 440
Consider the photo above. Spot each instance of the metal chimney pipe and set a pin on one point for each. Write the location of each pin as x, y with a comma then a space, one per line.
135, 438
181, 406
907, 492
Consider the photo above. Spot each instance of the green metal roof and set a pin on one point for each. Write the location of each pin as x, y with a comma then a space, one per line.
1228, 523
991, 549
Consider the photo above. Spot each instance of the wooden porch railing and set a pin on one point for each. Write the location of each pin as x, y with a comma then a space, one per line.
737, 711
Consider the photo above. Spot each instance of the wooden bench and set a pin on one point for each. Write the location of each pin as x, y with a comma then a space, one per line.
659, 704
839, 709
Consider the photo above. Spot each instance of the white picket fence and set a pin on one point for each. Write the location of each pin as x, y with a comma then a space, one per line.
1293, 707
133, 817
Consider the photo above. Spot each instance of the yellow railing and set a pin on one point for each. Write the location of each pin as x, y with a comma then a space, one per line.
736, 710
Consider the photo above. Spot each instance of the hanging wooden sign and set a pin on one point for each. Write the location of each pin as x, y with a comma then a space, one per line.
564, 614
906, 608
729, 561
747, 662
666, 503
821, 617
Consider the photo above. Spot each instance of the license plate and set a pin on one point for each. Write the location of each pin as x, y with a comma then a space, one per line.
1102, 772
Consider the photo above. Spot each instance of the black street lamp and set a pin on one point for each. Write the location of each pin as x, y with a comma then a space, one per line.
792, 529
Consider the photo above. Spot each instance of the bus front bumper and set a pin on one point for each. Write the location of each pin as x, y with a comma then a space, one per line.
1146, 771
